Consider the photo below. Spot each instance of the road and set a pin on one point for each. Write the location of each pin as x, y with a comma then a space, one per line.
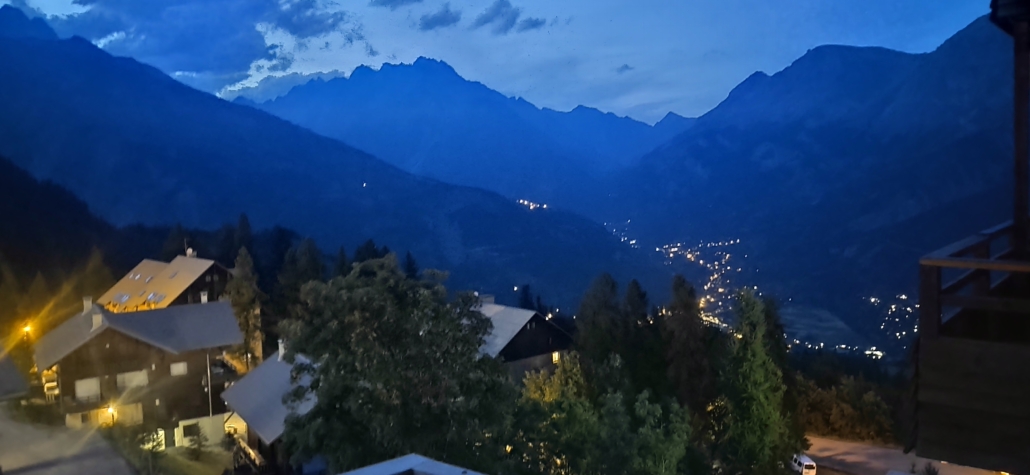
862, 459
27, 449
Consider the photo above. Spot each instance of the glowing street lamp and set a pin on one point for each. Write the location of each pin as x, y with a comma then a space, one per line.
110, 410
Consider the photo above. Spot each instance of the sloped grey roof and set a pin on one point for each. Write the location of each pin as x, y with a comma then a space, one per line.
12, 384
507, 323
155, 284
257, 398
415, 463
173, 329
69, 335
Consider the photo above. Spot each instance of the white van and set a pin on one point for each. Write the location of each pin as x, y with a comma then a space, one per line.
802, 464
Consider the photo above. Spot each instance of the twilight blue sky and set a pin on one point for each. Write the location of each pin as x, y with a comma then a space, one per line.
640, 58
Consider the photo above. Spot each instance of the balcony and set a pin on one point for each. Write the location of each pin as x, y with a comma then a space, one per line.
973, 363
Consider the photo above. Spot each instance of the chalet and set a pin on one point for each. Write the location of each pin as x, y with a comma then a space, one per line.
154, 366
411, 464
154, 284
972, 366
257, 398
523, 339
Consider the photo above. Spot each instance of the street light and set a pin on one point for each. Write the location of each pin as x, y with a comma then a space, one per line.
110, 410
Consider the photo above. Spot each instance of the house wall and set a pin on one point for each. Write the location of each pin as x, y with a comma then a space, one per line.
127, 414
537, 337
164, 401
213, 280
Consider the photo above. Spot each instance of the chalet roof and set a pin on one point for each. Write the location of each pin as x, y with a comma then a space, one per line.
507, 323
155, 283
257, 398
12, 384
411, 463
174, 329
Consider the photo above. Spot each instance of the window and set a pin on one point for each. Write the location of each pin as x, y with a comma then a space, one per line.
555, 357
191, 430
132, 379
87, 390
178, 369
84, 418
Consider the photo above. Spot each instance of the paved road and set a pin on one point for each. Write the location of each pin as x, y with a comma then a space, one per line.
862, 459
37, 450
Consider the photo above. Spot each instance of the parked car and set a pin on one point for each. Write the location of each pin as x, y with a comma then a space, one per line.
802, 464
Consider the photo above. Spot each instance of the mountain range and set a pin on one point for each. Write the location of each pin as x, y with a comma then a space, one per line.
139, 147
428, 120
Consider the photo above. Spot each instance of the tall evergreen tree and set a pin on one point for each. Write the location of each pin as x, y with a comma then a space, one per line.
244, 235
226, 249
688, 354
245, 296
756, 437
779, 352
410, 266
395, 369
342, 265
645, 351
599, 321
175, 244
366, 252
310, 264
526, 298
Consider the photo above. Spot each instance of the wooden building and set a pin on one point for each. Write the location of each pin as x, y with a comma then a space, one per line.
154, 284
525, 340
156, 366
973, 356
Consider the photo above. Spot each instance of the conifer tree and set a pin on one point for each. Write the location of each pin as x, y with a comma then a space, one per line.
366, 251
245, 296
756, 437
175, 244
688, 353
599, 321
410, 266
526, 298
342, 265
244, 235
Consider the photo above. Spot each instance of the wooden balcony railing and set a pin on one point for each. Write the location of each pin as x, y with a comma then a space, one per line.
978, 274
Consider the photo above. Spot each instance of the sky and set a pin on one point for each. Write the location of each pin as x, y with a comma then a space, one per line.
640, 58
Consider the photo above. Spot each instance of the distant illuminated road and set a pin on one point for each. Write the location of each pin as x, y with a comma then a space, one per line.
863, 459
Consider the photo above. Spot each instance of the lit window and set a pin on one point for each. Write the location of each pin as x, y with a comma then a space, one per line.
555, 357
178, 369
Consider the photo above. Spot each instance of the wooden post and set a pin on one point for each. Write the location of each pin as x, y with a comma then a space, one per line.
1021, 208
929, 301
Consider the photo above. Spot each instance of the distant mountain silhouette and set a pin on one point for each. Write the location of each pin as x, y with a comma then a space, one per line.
838, 172
426, 119
138, 146
14, 24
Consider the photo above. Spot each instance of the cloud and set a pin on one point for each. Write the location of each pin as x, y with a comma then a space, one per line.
392, 4
531, 24
501, 14
625, 68
443, 18
218, 40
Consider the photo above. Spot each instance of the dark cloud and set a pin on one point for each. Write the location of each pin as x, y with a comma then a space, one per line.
216, 39
624, 69
442, 18
501, 14
531, 24
392, 4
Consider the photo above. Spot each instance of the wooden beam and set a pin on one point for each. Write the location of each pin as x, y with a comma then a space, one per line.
958, 248
996, 231
1021, 168
983, 302
955, 285
973, 263
929, 301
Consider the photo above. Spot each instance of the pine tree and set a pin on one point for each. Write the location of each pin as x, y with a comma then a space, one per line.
526, 298
226, 246
310, 265
756, 436
246, 300
244, 235
645, 351
690, 368
366, 252
410, 266
175, 244
396, 369
599, 321
776, 345
342, 266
